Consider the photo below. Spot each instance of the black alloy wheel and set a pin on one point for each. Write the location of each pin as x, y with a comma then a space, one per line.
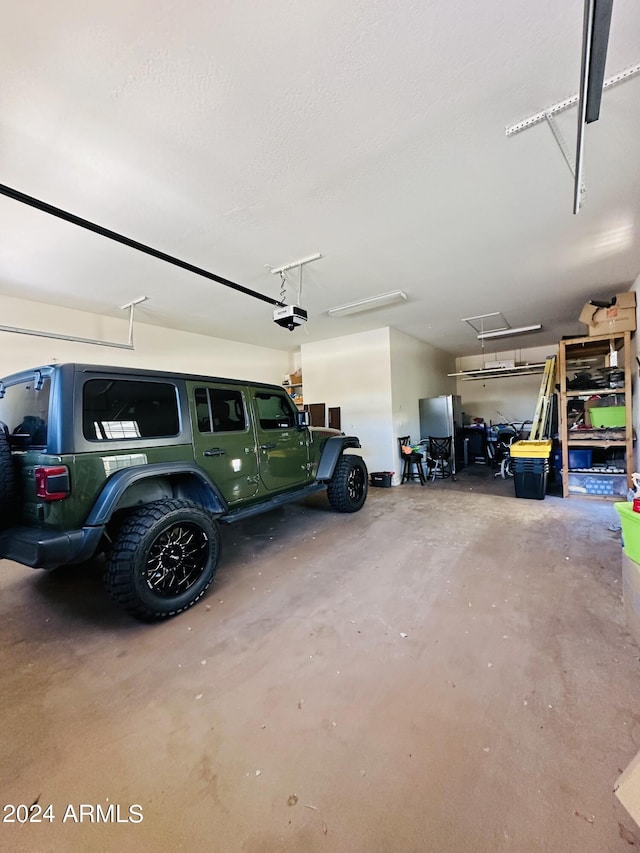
177, 559
347, 490
163, 559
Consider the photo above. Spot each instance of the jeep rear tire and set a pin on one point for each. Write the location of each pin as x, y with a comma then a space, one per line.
163, 559
347, 489
8, 484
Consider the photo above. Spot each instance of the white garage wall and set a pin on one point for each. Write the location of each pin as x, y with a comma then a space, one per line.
417, 370
377, 379
508, 399
354, 372
156, 348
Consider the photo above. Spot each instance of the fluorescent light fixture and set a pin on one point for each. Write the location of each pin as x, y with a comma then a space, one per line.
499, 333
368, 303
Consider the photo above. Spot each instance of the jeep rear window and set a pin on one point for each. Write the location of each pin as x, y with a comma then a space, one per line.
25, 410
220, 407
274, 411
117, 409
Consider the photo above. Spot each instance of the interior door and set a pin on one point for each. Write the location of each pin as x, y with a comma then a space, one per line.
317, 414
224, 440
283, 449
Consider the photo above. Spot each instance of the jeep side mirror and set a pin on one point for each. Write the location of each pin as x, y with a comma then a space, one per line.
303, 420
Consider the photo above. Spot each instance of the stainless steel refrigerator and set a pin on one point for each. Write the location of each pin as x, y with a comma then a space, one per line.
441, 416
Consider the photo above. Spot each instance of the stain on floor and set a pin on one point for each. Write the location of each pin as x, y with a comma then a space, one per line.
447, 670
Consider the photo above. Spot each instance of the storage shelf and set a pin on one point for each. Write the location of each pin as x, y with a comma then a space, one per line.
595, 392
596, 349
596, 472
592, 345
298, 399
596, 442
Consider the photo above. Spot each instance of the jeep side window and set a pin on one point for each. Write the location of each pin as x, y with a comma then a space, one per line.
274, 411
24, 408
219, 410
116, 409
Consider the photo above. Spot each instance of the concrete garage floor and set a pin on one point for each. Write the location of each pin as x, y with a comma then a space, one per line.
289, 711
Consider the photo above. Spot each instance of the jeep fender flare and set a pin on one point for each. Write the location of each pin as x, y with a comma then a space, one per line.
331, 453
114, 489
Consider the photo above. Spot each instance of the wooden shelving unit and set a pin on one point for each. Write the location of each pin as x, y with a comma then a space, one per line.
597, 351
297, 395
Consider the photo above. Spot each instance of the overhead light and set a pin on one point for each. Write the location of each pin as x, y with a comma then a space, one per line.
368, 303
500, 333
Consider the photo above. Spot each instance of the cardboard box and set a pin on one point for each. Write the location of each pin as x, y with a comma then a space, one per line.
620, 317
627, 788
295, 378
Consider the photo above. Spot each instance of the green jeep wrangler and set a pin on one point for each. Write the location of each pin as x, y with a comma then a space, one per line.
141, 466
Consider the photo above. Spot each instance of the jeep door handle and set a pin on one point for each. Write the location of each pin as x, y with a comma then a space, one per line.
214, 451
268, 446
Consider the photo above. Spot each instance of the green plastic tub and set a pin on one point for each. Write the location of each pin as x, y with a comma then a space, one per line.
607, 416
630, 529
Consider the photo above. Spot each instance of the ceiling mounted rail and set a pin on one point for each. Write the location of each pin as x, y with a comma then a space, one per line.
560, 106
16, 330
595, 38
499, 372
45, 207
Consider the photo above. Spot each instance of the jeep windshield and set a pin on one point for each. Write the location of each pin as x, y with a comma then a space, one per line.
24, 408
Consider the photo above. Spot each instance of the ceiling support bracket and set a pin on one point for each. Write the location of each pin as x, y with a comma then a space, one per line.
16, 330
564, 149
294, 265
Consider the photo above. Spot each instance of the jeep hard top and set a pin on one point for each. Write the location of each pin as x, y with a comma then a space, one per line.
142, 465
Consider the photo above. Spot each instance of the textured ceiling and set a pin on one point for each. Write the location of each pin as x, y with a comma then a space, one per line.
241, 135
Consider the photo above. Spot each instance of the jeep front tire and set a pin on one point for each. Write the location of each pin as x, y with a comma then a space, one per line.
163, 559
347, 489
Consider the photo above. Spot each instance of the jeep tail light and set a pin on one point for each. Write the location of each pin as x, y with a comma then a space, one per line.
52, 482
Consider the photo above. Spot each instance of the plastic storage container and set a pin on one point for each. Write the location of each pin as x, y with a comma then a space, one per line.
630, 521
530, 477
381, 479
531, 449
580, 458
606, 485
607, 416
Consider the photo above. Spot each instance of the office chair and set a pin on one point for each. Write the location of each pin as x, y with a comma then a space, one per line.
440, 454
411, 462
